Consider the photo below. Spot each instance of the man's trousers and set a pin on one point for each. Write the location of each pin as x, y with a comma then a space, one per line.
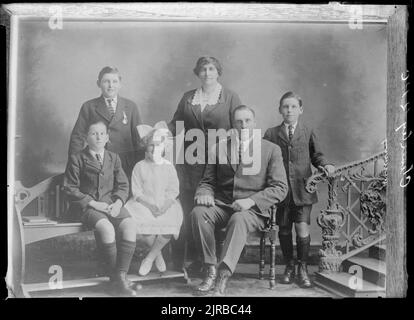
205, 220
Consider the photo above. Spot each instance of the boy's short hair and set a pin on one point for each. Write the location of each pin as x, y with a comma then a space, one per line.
207, 60
93, 122
290, 94
106, 70
242, 107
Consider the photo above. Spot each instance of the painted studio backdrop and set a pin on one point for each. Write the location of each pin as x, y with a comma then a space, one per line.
339, 72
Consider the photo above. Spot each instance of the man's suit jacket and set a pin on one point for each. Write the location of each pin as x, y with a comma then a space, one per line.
213, 117
298, 155
227, 183
85, 180
123, 135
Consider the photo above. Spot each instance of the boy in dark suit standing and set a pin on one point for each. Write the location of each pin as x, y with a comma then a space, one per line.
120, 115
300, 150
98, 188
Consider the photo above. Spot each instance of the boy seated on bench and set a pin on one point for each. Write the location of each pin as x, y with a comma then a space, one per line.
97, 186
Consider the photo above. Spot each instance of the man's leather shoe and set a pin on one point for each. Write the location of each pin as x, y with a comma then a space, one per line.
209, 281
221, 284
303, 278
195, 269
289, 275
121, 286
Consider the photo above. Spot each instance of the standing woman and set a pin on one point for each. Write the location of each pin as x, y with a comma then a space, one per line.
208, 107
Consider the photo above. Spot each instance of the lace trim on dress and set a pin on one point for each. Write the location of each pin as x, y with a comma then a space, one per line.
200, 98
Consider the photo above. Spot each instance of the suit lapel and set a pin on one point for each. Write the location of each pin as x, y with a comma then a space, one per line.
298, 131
120, 113
107, 161
231, 151
196, 110
89, 159
282, 133
102, 109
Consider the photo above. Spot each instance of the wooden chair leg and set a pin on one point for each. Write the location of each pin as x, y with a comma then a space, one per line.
262, 256
186, 277
272, 237
272, 274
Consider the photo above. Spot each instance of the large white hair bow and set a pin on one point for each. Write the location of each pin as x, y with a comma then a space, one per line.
161, 129
161, 133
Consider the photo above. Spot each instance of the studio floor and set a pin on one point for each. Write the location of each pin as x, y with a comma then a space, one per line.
244, 283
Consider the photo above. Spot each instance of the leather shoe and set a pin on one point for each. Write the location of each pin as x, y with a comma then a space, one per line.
303, 278
209, 281
195, 269
221, 284
289, 275
120, 285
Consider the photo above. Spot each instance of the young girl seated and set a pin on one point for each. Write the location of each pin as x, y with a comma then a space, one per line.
153, 205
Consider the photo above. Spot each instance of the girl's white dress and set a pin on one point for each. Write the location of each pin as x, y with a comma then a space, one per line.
156, 183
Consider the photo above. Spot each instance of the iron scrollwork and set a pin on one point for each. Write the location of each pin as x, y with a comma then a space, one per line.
372, 208
373, 204
331, 221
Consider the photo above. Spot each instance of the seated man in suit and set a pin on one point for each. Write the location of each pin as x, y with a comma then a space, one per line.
232, 196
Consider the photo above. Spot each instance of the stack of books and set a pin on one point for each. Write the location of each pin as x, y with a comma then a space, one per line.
36, 220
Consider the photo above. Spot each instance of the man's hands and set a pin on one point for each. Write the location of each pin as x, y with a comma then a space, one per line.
328, 169
242, 204
204, 200
238, 205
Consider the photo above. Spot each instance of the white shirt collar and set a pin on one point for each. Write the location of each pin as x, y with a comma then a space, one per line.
287, 126
93, 153
114, 99
245, 144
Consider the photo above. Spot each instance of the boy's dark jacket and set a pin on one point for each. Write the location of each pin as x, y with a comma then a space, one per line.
122, 126
85, 180
298, 155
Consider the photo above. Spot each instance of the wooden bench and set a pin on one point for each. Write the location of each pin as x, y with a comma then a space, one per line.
46, 199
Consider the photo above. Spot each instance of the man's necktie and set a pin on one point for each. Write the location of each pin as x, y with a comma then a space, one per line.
290, 132
240, 152
99, 158
111, 107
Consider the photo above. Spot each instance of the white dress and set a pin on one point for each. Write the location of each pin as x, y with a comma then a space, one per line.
155, 183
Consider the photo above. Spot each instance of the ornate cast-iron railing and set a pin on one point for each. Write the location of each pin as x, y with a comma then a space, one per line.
354, 218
